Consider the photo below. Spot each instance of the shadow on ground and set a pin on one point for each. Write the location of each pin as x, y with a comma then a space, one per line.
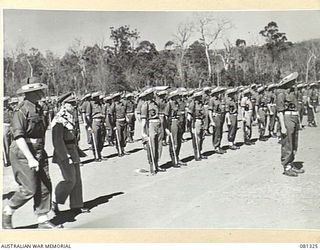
70, 216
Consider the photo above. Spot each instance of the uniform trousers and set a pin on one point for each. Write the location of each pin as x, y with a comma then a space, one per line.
232, 128
97, 136
154, 148
262, 121
247, 125
32, 184
289, 142
131, 123
217, 130
121, 126
197, 137
176, 129
71, 185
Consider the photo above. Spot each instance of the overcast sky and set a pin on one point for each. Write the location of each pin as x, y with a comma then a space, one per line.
57, 30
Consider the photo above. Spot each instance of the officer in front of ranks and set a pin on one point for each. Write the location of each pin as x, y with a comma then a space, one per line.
28, 157
131, 105
262, 112
272, 112
7, 117
196, 114
151, 129
287, 108
83, 109
64, 139
119, 113
95, 118
216, 116
232, 116
247, 111
162, 102
109, 120
175, 127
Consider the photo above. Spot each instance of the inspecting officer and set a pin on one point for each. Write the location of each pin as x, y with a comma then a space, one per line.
64, 138
28, 157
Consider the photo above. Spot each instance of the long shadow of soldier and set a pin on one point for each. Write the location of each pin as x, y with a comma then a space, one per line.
70, 216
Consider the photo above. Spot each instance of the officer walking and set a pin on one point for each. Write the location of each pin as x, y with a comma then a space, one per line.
28, 157
64, 138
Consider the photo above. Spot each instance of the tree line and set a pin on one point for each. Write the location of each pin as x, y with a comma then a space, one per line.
132, 63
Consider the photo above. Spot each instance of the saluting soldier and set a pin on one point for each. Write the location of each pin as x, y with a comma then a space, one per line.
261, 104
287, 108
175, 127
119, 113
232, 116
64, 139
151, 129
196, 114
217, 118
131, 105
28, 157
95, 119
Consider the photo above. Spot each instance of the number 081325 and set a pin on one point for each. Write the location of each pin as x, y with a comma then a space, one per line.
309, 246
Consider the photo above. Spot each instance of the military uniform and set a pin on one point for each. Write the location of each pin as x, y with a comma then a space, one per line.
64, 138
109, 121
197, 112
215, 108
262, 113
119, 112
7, 137
272, 112
247, 111
131, 118
95, 118
150, 113
83, 110
232, 117
312, 104
161, 101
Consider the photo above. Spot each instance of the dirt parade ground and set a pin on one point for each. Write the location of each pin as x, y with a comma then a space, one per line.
240, 189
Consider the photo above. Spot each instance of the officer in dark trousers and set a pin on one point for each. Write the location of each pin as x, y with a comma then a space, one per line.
175, 127
216, 117
95, 118
232, 116
287, 108
64, 139
151, 129
131, 105
196, 113
28, 157
119, 112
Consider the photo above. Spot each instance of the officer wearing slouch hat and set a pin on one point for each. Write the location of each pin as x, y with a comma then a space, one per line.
66, 155
151, 129
287, 108
28, 157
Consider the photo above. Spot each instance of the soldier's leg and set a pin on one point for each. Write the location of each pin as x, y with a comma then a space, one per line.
76, 195
216, 136
287, 155
232, 129
174, 141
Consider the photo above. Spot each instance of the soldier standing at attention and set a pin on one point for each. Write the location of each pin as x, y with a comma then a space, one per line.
205, 101
174, 128
64, 139
272, 112
182, 113
131, 105
151, 129
109, 121
216, 116
162, 103
196, 114
95, 119
287, 108
262, 111
28, 157
247, 111
232, 116
119, 112
83, 109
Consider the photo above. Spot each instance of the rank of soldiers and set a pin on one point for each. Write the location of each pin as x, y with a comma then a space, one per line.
166, 116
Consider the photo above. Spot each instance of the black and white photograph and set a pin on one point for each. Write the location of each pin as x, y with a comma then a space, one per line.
161, 119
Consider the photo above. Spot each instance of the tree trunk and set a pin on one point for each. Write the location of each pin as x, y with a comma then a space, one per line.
31, 69
209, 63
